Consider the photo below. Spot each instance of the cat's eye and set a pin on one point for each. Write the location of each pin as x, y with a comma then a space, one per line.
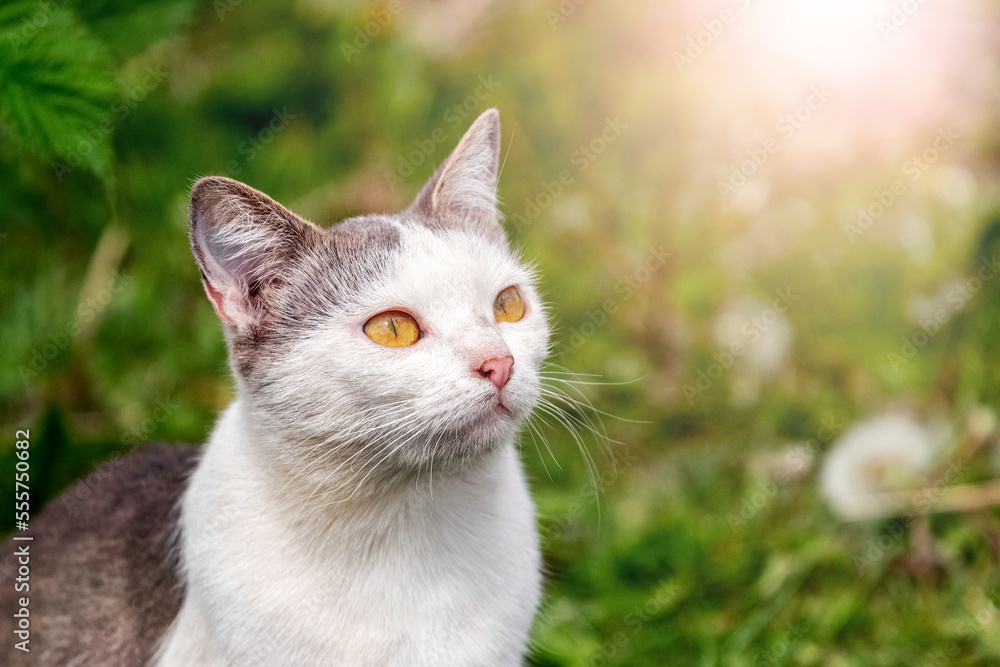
393, 328
508, 306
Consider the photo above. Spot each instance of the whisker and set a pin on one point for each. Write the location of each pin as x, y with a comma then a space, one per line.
584, 401
560, 416
545, 442
579, 414
532, 429
379, 425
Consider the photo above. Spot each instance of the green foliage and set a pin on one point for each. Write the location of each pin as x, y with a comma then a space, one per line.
56, 83
130, 26
58, 78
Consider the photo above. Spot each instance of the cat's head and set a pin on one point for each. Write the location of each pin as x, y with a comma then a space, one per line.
396, 338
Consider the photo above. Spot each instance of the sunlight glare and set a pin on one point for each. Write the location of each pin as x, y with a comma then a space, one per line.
832, 40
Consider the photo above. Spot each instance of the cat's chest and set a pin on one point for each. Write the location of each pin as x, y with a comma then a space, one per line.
437, 608
451, 578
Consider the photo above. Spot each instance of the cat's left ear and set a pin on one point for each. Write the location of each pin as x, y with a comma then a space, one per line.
463, 191
246, 244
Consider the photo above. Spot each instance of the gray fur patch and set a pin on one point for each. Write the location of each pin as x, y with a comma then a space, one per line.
335, 270
103, 583
289, 272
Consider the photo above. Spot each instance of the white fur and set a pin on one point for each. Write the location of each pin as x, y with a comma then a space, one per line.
383, 519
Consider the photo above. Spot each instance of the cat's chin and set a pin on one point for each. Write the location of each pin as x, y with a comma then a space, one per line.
497, 427
484, 430
498, 418
501, 410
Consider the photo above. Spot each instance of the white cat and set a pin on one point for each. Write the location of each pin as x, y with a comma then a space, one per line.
362, 502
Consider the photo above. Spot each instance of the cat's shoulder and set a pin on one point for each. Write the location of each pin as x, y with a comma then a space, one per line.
102, 582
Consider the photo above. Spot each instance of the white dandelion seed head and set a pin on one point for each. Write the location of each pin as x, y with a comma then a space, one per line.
761, 330
755, 337
888, 453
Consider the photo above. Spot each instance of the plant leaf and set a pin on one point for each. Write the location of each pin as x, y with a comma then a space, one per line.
56, 86
129, 27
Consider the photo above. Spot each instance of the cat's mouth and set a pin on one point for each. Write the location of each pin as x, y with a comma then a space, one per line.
500, 403
495, 412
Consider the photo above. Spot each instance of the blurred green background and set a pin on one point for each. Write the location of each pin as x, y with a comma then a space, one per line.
757, 223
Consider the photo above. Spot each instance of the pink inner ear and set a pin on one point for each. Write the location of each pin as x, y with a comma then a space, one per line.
218, 300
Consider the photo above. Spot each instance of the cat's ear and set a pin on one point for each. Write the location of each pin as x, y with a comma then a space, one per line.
463, 191
244, 243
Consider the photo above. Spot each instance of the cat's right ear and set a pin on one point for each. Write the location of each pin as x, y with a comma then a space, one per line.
462, 193
244, 242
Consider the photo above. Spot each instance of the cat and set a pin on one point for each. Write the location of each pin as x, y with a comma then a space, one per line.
362, 501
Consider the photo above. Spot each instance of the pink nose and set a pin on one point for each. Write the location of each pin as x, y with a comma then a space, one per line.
497, 370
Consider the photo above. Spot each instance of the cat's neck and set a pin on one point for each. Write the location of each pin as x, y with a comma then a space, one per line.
464, 541
236, 510
332, 489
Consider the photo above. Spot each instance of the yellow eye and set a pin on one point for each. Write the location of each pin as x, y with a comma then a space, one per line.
393, 328
508, 307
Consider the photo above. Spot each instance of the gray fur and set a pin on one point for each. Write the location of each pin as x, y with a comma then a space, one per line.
103, 582
305, 273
